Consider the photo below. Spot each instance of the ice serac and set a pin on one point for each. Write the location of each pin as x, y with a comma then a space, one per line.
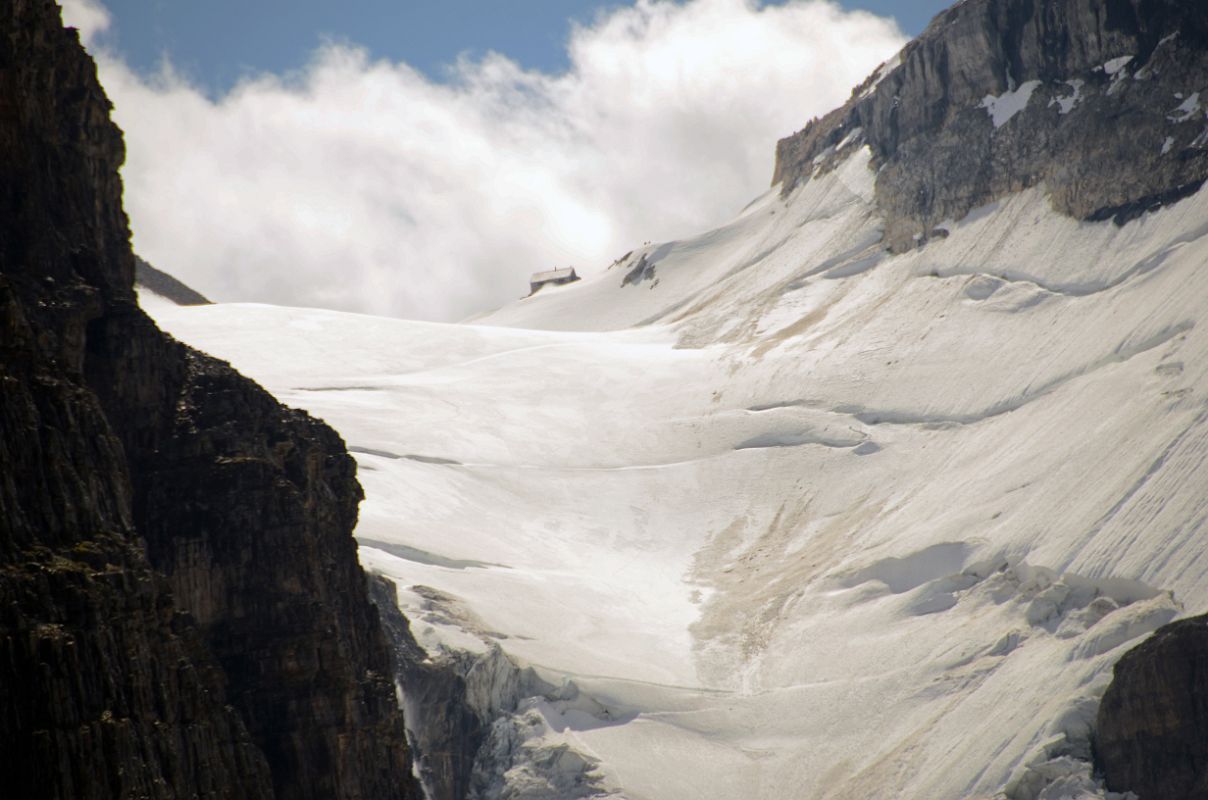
1152, 734
182, 613
470, 724
1092, 98
447, 731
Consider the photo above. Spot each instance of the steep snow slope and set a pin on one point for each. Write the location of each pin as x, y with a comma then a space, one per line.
831, 524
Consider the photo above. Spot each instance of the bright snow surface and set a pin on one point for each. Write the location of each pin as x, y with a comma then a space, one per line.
809, 520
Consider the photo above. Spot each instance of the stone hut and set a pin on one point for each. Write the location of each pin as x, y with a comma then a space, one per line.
551, 277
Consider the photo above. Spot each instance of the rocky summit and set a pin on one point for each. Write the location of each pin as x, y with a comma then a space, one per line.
1087, 97
182, 613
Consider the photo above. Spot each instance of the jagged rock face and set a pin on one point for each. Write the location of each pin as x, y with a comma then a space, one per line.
1152, 730
181, 609
106, 689
476, 725
1096, 99
448, 731
247, 508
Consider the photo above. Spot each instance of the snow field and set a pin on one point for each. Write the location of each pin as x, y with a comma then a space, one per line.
827, 523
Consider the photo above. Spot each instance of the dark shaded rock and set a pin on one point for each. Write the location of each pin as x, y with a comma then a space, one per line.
472, 713
641, 271
1106, 142
448, 731
165, 285
182, 613
1152, 731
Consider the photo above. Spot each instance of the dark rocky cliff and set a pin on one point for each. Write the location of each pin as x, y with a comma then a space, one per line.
1152, 730
1111, 96
182, 613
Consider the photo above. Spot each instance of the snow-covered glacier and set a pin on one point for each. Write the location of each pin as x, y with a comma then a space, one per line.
789, 515
861, 495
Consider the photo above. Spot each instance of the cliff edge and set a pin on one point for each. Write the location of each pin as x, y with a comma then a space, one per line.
182, 613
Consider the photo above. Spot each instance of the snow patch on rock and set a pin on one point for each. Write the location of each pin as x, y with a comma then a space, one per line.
883, 70
1185, 110
1003, 107
1113, 66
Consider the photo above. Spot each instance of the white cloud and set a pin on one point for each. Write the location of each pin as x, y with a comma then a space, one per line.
362, 185
88, 16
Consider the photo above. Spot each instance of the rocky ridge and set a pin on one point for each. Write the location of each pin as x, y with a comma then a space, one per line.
165, 285
1101, 102
182, 613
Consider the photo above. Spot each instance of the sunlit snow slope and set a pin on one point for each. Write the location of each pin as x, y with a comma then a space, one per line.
806, 519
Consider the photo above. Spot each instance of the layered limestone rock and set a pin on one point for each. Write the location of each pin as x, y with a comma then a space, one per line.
182, 613
1102, 101
1152, 729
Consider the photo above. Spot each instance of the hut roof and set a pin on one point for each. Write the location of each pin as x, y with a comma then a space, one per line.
553, 275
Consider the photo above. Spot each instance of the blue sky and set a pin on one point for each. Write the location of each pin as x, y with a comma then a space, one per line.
217, 42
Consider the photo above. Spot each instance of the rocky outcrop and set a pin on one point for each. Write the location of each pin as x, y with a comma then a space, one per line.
1152, 729
446, 729
182, 613
478, 719
1102, 101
